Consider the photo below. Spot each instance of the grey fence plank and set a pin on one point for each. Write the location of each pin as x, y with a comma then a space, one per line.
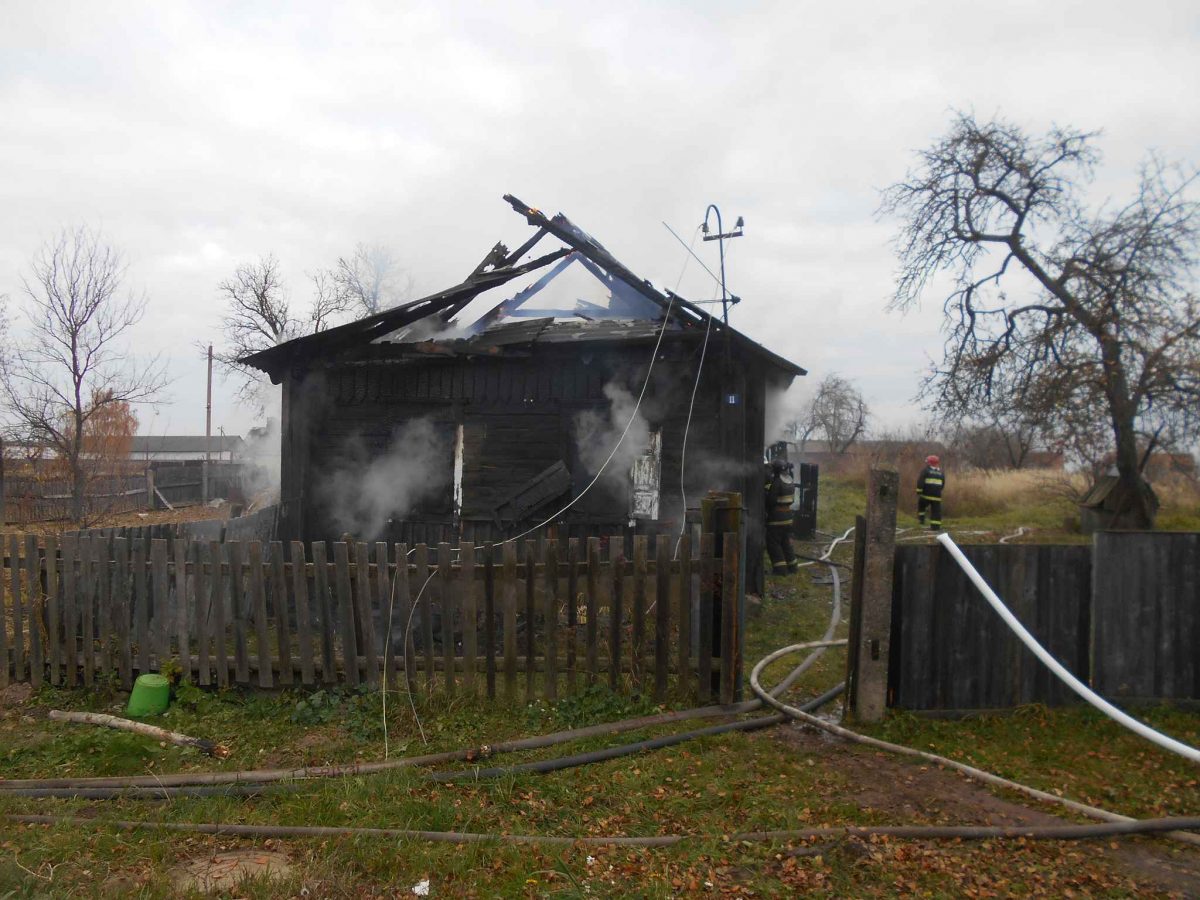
424, 601
530, 617
239, 611
279, 599
470, 613
308, 674
662, 616
489, 617
53, 616
182, 597
637, 650
219, 553
364, 619
88, 563
327, 626
161, 587
345, 612
508, 599
616, 623
70, 621
685, 612
445, 594
33, 607
18, 615
141, 600
258, 595
202, 559
572, 609
704, 653
550, 619
592, 625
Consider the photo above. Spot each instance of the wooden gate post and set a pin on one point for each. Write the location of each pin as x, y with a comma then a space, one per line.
871, 603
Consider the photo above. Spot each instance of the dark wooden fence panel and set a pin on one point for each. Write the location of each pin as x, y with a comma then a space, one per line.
950, 650
1146, 592
110, 604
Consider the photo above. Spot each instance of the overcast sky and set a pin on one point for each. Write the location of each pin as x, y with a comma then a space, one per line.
198, 136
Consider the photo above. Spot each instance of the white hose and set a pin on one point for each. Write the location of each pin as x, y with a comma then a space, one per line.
1057, 668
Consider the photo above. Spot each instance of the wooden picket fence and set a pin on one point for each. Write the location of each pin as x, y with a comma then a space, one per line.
78, 609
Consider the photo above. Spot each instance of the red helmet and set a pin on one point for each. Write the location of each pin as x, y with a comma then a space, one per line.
932, 461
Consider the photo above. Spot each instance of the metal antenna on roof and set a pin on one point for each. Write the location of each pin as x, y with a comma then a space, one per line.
720, 236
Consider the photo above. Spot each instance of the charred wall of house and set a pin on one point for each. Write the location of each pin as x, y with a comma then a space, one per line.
491, 425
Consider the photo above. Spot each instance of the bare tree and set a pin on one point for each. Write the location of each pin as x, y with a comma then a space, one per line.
1101, 299
260, 315
837, 412
71, 365
371, 278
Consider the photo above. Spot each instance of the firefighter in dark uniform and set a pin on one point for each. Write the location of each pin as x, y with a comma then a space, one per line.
929, 493
780, 495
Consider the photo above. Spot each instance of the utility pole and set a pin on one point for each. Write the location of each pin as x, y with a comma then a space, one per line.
721, 236
207, 431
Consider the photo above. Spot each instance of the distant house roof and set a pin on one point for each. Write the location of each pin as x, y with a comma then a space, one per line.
185, 443
635, 310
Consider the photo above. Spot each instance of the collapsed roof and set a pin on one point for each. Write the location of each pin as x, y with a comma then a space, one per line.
633, 309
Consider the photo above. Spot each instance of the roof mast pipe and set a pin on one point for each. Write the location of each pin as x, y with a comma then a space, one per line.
720, 236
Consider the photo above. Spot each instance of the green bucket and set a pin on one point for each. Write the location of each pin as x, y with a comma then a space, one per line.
150, 697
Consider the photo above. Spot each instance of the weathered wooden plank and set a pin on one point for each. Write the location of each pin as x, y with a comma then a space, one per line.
345, 612
217, 586
303, 618
684, 662
447, 590
704, 652
37, 669
88, 561
572, 609
258, 595
326, 626
530, 619
18, 613
53, 612
182, 595
239, 612
202, 558
141, 606
508, 599
104, 605
593, 612
7, 561
385, 600
489, 618
730, 552
364, 615
160, 582
662, 616
400, 639
279, 598
638, 648
550, 620
70, 619
470, 613
616, 557
425, 608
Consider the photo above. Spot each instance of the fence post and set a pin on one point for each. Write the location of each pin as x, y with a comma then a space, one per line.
871, 609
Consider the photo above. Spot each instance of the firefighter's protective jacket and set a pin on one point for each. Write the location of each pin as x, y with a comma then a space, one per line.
930, 483
780, 495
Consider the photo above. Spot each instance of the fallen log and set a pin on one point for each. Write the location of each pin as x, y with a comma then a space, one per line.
212, 748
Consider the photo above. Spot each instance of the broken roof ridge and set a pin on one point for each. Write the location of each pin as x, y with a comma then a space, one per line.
498, 268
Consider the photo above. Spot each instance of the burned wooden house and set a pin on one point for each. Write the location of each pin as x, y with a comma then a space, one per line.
586, 399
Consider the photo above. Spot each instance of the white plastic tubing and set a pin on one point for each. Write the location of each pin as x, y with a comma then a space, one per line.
1056, 667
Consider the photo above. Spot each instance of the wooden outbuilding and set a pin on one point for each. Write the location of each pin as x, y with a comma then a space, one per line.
427, 423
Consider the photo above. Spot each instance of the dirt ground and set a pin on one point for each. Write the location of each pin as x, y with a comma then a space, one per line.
195, 513
907, 792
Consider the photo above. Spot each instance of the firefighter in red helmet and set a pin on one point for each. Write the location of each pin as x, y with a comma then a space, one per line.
930, 484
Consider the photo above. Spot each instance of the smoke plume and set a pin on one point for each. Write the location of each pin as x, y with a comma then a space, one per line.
597, 432
365, 491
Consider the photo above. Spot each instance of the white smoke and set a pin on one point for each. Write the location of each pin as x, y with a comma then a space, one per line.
365, 491
597, 432
261, 466
783, 408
